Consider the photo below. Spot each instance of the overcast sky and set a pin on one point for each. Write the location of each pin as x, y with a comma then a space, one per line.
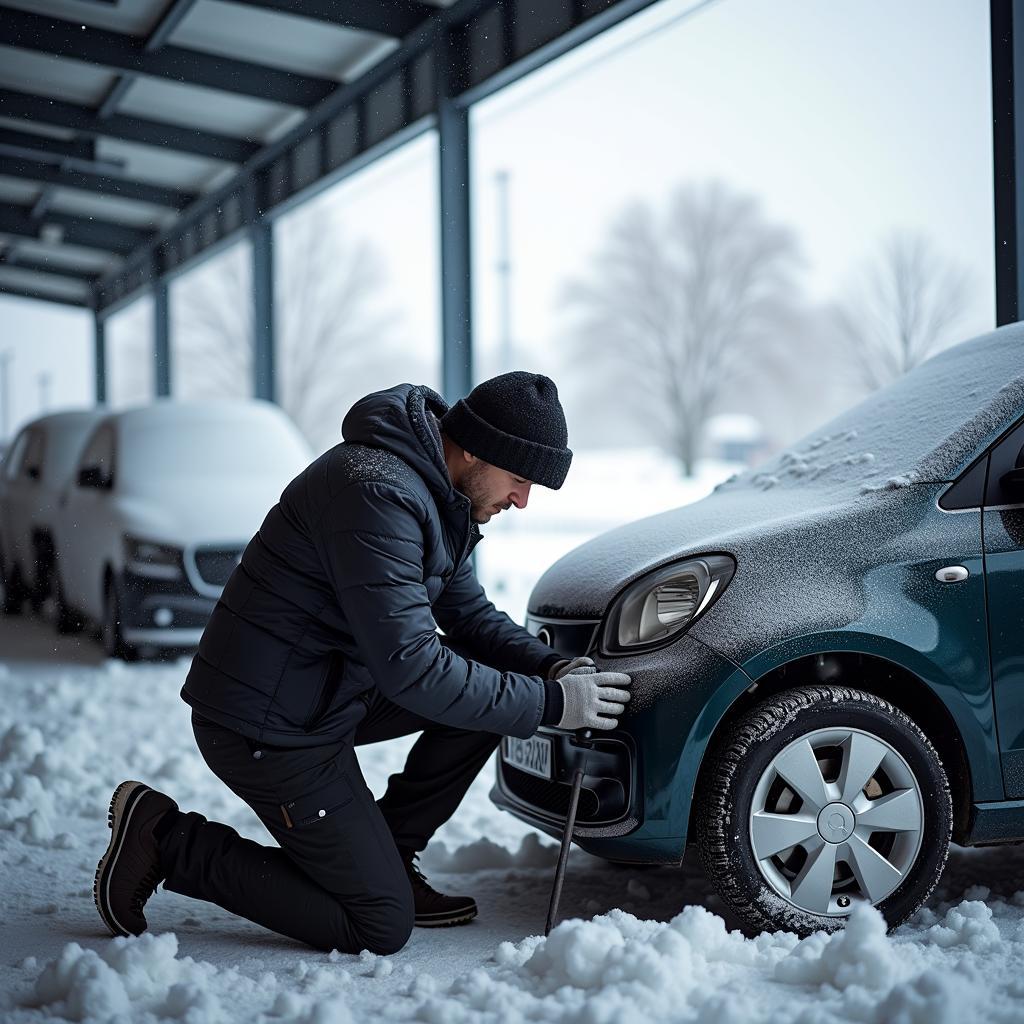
845, 119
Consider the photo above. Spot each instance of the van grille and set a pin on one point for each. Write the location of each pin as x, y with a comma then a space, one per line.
215, 565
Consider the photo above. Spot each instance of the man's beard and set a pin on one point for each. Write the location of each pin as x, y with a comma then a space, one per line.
473, 487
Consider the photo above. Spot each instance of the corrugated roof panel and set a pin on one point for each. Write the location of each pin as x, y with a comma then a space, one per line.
58, 287
193, 106
58, 77
162, 166
282, 41
66, 256
16, 191
134, 17
111, 208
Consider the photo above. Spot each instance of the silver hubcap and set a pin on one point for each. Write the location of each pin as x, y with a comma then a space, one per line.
836, 814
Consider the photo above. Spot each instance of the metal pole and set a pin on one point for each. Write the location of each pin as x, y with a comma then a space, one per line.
263, 310
504, 269
100, 343
162, 336
456, 277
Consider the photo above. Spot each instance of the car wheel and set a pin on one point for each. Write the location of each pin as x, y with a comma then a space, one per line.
68, 620
15, 591
819, 799
114, 644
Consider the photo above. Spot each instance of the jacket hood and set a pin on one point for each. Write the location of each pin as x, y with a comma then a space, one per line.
402, 420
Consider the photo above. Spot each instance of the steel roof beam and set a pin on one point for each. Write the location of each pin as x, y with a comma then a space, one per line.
41, 110
102, 184
84, 231
394, 18
66, 39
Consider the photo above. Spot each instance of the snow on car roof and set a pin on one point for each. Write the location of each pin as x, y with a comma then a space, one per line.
168, 411
927, 426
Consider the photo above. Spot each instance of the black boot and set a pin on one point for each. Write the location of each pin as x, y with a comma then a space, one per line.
130, 870
434, 909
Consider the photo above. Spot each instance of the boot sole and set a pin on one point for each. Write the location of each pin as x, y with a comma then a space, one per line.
463, 917
119, 815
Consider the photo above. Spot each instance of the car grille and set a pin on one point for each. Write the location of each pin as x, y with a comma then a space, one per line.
552, 797
571, 639
215, 565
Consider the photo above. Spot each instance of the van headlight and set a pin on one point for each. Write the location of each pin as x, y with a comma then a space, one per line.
662, 604
155, 561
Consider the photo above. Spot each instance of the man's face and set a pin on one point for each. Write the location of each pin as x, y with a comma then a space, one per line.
490, 490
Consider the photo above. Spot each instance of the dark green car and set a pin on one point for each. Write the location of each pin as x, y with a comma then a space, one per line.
827, 657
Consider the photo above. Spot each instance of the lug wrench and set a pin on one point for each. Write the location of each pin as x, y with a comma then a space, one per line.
583, 737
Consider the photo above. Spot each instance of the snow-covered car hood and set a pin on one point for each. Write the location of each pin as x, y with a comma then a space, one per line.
179, 513
814, 519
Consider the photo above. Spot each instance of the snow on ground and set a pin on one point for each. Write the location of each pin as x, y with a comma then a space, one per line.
634, 945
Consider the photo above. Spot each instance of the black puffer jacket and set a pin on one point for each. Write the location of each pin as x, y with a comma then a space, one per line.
342, 590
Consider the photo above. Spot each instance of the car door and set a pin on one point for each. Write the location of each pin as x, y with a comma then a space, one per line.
1003, 531
85, 523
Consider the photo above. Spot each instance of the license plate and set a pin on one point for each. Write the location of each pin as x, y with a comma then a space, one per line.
531, 755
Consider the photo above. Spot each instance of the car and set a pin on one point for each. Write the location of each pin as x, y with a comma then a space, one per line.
40, 463
163, 500
827, 659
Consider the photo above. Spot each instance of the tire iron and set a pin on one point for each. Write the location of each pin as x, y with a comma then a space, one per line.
583, 737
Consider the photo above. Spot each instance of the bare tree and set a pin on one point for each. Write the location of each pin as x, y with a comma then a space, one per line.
331, 326
909, 300
673, 299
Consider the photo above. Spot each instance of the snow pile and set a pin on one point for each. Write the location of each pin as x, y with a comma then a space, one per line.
485, 854
617, 968
128, 978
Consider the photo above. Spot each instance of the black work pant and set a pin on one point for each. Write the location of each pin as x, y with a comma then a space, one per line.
336, 880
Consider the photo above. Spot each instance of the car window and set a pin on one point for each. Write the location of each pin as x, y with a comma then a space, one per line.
32, 463
1007, 455
14, 457
99, 454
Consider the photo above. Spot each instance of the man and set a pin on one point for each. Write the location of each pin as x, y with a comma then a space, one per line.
325, 638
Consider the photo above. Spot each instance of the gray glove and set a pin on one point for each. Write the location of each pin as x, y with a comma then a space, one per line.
560, 668
590, 696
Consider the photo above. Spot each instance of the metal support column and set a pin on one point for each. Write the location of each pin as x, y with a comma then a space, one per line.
263, 310
162, 336
100, 347
1007, 29
456, 278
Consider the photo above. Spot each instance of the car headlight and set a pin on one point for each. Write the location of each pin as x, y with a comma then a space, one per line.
662, 604
157, 561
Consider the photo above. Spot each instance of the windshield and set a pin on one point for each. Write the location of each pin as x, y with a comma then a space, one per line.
205, 449
927, 426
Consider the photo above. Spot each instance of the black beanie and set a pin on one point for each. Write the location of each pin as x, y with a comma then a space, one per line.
514, 421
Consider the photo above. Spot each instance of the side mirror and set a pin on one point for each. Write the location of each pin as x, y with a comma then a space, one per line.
91, 476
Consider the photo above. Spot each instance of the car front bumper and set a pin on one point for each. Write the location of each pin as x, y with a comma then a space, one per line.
162, 613
639, 778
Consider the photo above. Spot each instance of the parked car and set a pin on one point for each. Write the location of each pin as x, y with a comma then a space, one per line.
164, 499
827, 657
39, 465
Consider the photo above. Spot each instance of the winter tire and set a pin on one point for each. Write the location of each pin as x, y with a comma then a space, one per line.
113, 640
15, 592
818, 799
68, 620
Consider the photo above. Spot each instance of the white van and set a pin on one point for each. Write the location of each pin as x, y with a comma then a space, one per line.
164, 500
35, 473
